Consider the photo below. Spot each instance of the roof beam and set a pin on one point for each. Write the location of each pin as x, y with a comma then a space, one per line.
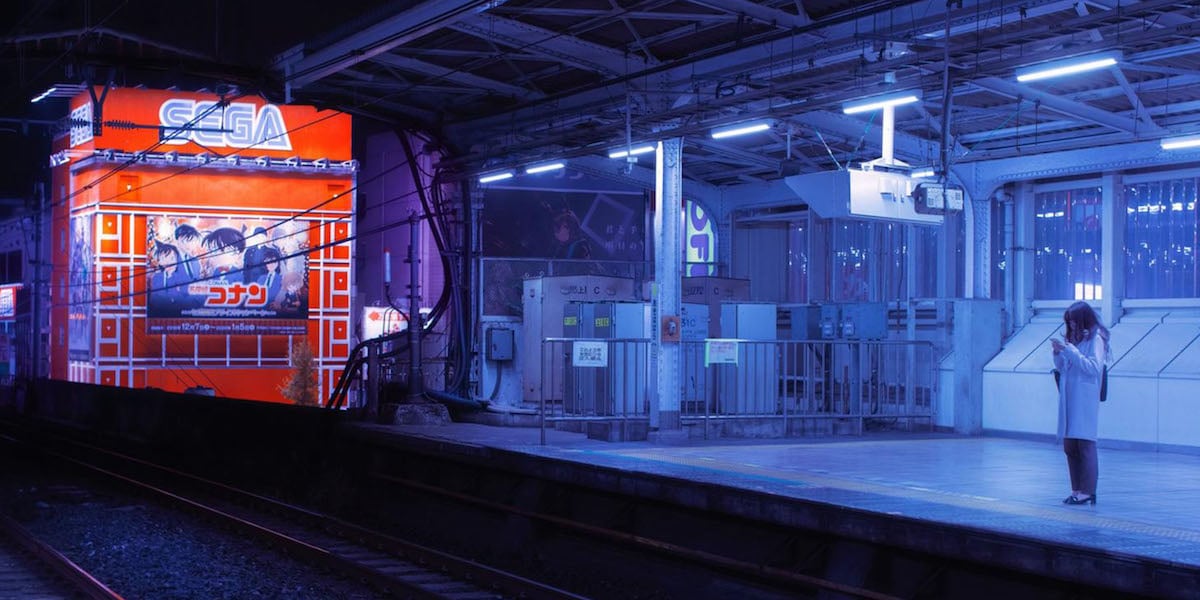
422, 19
907, 146
753, 159
637, 15
1139, 109
554, 46
758, 12
1067, 107
441, 73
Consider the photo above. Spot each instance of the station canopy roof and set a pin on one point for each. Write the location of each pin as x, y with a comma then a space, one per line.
509, 82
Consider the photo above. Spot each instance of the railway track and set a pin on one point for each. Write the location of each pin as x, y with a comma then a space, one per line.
391, 565
776, 582
29, 568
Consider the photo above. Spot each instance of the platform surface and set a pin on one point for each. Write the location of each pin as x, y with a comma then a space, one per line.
1147, 501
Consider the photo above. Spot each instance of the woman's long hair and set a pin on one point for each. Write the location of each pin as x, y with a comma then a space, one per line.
1086, 324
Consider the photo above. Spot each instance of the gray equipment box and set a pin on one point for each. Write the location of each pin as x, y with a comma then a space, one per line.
619, 389
807, 320
855, 321
713, 291
864, 321
750, 387
543, 300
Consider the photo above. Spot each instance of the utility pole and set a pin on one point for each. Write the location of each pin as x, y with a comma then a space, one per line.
35, 319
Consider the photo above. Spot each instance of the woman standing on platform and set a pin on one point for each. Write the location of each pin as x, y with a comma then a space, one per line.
1080, 360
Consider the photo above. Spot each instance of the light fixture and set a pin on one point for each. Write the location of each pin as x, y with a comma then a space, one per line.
496, 177
1179, 143
630, 152
544, 168
923, 173
1066, 67
59, 90
878, 102
741, 129
43, 95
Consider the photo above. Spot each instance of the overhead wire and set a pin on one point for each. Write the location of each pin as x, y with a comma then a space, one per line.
136, 158
348, 238
271, 227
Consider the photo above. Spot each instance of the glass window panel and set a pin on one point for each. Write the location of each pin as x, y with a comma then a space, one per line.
797, 262
1066, 233
1161, 229
1000, 243
927, 261
870, 261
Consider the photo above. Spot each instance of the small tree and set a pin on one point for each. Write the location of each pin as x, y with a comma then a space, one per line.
301, 388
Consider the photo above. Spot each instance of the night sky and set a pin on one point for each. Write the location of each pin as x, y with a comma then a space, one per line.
230, 37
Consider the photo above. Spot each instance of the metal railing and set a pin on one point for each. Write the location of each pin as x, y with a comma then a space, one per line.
848, 381
592, 379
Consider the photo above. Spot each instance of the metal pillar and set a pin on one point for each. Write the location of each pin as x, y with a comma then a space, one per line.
668, 258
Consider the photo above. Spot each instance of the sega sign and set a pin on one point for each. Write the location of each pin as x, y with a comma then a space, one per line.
236, 125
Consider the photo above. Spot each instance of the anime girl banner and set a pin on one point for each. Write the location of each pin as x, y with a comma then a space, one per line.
238, 276
566, 224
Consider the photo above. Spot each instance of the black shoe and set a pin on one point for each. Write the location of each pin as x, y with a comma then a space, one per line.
1073, 500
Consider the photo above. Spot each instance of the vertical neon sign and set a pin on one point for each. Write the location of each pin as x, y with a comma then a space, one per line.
701, 241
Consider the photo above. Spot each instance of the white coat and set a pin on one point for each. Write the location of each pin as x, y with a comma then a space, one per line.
1079, 387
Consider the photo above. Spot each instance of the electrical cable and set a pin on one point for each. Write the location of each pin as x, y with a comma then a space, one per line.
348, 238
87, 29
298, 253
137, 157
280, 223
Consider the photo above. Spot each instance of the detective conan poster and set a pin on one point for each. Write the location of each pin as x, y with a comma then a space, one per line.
239, 276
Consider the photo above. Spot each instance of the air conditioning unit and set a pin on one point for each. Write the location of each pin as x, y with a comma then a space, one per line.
859, 194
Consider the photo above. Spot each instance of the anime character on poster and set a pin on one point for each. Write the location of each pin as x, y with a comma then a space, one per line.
1080, 358
569, 238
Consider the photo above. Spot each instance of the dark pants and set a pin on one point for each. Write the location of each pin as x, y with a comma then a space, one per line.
1083, 464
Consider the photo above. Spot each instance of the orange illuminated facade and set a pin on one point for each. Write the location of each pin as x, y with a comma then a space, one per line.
196, 238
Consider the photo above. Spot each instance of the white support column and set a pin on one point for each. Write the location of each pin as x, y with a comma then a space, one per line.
1021, 258
1112, 231
668, 250
1010, 255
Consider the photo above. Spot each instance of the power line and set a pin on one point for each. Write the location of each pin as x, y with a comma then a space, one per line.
282, 258
284, 221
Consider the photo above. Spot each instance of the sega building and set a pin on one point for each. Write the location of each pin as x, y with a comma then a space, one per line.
197, 239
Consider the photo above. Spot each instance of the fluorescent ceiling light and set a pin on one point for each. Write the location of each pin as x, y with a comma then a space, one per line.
43, 95
544, 168
630, 152
1179, 143
496, 177
877, 103
1060, 68
923, 173
739, 130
